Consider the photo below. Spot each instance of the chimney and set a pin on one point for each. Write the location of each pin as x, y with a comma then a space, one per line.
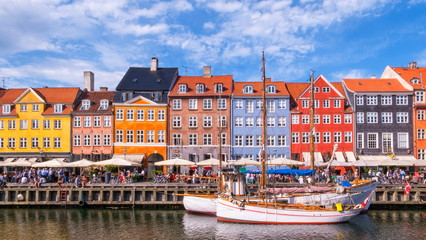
154, 64
103, 89
373, 76
207, 72
412, 65
89, 80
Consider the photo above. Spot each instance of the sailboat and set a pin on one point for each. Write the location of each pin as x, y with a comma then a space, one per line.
266, 209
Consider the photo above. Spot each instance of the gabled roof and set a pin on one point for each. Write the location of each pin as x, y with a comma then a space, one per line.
143, 79
374, 85
139, 99
408, 74
95, 98
296, 89
209, 83
281, 90
36, 93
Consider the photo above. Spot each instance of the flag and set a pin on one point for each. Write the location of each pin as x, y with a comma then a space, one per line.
407, 189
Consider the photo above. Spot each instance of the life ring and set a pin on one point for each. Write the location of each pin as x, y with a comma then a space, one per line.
82, 203
20, 197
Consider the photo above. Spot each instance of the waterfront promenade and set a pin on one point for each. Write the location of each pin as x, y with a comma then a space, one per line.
165, 195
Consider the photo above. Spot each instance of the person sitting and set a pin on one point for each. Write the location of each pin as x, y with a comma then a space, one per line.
84, 181
60, 181
78, 182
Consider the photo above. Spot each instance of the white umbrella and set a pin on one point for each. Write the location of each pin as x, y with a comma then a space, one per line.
54, 163
284, 161
420, 163
81, 163
116, 162
211, 162
246, 162
174, 162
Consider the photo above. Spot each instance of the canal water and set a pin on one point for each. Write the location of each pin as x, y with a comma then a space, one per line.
177, 224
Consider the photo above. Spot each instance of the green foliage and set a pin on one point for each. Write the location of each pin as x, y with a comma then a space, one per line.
113, 169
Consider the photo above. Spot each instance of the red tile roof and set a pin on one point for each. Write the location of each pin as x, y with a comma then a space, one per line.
375, 85
408, 74
296, 89
192, 81
281, 90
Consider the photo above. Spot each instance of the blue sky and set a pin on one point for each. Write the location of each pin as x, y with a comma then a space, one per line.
51, 42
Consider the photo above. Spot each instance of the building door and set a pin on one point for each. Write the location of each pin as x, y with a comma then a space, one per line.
387, 143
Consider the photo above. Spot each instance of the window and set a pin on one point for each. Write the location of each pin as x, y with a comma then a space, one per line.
6, 108
87, 121
182, 88
34, 124
221, 103
337, 137
337, 103
193, 122
386, 100
11, 143
85, 105
193, 104
46, 124
193, 139
282, 121
97, 121
249, 121
161, 115
401, 100
326, 119
421, 115
259, 122
238, 122
305, 137
305, 119
348, 137
359, 100
238, 104
249, 106
337, 119
317, 119
282, 104
317, 137
420, 96
222, 121
77, 122
248, 89
386, 117
421, 133
161, 136
326, 103
282, 140
316, 104
151, 115
177, 122
270, 121
270, 106
371, 100
103, 105
316, 89
107, 139
46, 142
372, 117
249, 140
360, 117
271, 89
421, 154
23, 124
129, 136
207, 139
259, 104
258, 140
218, 88
326, 137
177, 139
295, 119
360, 140
402, 140
372, 140
270, 140
130, 115
402, 117
119, 114
57, 124
326, 89
23, 142
56, 142
107, 121
11, 124
140, 115
207, 121
238, 140
24, 107
34, 142
200, 88
1, 124
139, 136
223, 138
58, 108
1, 143
119, 136
177, 104
387, 143
87, 140
207, 104
97, 140
36, 108
348, 118
77, 140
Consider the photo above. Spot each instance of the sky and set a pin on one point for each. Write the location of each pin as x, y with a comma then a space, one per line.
52, 42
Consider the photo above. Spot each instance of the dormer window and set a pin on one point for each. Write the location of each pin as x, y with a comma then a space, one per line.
85, 105
415, 81
271, 89
6, 108
200, 88
127, 95
182, 88
248, 89
218, 88
58, 108
104, 105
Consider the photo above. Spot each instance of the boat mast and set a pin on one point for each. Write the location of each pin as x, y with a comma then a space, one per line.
311, 122
220, 187
262, 155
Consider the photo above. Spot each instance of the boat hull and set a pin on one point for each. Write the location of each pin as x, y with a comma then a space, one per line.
234, 211
200, 204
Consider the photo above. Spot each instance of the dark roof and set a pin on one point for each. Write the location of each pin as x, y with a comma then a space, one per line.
95, 98
143, 79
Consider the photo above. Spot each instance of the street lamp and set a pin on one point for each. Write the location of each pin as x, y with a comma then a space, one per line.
125, 152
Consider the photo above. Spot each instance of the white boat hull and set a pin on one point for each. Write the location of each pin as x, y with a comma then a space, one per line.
200, 204
228, 211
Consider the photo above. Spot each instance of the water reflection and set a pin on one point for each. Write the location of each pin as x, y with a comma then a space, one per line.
172, 224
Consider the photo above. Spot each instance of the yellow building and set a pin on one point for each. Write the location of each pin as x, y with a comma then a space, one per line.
36, 122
